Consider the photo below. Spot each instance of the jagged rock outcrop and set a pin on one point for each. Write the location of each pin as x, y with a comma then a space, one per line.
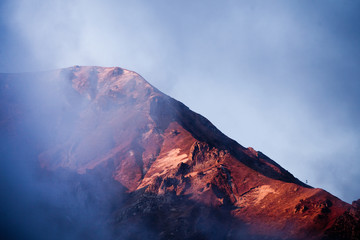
347, 225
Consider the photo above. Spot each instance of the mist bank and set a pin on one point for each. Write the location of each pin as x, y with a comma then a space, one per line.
41, 111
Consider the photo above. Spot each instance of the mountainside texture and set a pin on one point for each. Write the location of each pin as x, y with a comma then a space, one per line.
105, 139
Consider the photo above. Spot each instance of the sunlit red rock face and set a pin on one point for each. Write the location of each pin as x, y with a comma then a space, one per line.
167, 156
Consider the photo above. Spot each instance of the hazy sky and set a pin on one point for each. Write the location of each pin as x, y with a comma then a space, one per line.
280, 76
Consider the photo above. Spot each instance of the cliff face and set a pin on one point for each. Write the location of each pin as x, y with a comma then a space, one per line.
169, 170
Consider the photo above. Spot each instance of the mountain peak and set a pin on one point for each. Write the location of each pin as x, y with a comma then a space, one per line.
100, 81
112, 122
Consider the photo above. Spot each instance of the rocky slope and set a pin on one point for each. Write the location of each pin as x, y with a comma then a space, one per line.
169, 173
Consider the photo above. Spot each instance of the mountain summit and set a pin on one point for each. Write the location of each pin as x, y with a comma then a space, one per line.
133, 163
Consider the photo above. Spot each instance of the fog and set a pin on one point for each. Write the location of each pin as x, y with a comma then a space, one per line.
279, 76
49, 132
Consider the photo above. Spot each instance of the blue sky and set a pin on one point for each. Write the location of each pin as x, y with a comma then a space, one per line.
280, 76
